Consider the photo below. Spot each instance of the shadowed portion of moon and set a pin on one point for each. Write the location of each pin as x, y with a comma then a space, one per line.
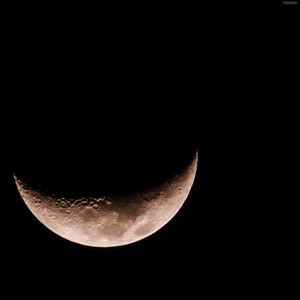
111, 220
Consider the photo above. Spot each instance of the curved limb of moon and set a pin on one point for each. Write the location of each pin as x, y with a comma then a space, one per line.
111, 221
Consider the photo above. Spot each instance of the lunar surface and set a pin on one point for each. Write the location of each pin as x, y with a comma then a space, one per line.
111, 221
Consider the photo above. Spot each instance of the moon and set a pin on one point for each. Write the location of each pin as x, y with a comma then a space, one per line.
111, 221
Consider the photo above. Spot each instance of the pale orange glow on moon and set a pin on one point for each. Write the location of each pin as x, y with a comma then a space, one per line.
111, 221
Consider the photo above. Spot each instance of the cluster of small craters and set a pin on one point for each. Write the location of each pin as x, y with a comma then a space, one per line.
67, 204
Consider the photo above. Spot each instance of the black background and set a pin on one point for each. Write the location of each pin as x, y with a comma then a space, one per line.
138, 109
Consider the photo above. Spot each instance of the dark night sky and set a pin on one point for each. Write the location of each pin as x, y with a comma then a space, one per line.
133, 124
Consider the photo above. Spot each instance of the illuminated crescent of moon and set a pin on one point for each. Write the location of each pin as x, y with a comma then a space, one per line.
111, 221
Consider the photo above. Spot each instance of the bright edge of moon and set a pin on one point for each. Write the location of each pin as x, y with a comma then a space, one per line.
111, 221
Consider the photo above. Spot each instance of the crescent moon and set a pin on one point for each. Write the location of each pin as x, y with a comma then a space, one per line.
111, 221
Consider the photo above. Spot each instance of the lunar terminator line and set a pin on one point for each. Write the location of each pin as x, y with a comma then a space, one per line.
110, 221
